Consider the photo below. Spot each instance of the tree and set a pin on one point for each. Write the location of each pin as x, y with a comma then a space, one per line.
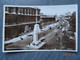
73, 22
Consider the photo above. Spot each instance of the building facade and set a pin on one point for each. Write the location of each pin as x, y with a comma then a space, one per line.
48, 19
20, 20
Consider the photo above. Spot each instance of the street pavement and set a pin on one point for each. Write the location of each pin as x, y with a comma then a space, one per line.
52, 39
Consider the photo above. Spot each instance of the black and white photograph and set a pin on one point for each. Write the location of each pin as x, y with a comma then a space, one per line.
40, 28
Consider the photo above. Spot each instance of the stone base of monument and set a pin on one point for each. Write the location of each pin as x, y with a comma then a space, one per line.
37, 45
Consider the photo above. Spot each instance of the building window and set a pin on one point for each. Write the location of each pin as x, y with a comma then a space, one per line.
18, 10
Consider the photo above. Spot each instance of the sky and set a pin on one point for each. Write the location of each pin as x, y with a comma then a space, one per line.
57, 9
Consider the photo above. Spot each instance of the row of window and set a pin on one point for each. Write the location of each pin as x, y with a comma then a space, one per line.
25, 11
11, 19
